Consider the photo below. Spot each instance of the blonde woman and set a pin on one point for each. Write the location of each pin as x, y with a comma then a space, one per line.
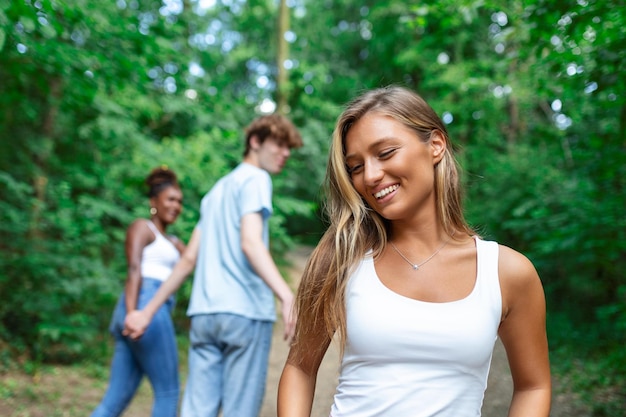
415, 296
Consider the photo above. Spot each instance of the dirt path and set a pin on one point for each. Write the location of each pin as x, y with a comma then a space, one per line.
497, 397
328, 372
71, 391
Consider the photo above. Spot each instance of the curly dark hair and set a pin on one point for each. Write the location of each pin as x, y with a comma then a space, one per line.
159, 179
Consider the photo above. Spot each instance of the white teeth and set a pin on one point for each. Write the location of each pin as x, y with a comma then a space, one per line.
386, 191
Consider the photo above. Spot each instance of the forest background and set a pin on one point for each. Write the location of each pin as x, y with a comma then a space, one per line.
95, 94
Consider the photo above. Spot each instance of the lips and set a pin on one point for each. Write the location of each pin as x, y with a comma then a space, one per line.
173, 214
380, 194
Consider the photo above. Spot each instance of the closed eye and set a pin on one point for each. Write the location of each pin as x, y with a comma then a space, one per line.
387, 153
354, 169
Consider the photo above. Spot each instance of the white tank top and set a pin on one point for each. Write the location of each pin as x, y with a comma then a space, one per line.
159, 257
410, 358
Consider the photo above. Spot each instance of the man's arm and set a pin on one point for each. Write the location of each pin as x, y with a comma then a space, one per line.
137, 322
261, 260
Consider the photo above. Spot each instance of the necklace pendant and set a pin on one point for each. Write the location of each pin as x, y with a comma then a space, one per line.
417, 266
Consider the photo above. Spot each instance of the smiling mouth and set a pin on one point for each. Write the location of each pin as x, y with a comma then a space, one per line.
386, 191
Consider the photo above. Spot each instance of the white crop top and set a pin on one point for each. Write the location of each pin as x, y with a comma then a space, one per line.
159, 257
410, 358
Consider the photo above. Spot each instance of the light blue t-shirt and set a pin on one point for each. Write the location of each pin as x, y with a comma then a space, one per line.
224, 281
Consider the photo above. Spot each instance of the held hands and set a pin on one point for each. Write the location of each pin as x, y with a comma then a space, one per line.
135, 324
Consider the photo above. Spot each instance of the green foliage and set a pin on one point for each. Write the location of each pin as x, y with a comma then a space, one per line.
92, 98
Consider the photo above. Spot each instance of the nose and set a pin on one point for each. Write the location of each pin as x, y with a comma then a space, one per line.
372, 173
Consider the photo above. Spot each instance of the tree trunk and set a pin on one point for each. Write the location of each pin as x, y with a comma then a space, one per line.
40, 179
283, 52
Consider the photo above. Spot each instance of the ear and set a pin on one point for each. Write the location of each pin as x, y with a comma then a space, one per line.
438, 145
254, 142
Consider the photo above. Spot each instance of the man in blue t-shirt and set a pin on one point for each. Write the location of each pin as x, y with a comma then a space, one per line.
232, 299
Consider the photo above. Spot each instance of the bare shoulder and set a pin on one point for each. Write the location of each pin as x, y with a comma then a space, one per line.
139, 223
514, 267
518, 277
139, 229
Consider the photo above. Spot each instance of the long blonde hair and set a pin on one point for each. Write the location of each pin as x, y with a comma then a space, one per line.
354, 227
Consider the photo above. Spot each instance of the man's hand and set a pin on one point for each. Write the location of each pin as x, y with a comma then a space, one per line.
289, 319
135, 324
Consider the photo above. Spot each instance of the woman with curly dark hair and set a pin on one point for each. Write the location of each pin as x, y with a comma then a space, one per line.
151, 254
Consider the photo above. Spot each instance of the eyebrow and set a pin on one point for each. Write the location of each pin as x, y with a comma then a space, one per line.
374, 145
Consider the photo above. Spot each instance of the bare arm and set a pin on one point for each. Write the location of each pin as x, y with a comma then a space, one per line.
296, 388
261, 261
136, 322
523, 333
138, 236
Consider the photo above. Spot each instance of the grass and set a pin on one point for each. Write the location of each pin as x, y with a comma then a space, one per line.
69, 391
30, 389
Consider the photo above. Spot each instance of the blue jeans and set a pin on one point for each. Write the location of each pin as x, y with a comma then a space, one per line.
154, 355
228, 359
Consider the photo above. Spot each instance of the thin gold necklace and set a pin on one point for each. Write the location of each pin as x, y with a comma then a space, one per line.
417, 266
